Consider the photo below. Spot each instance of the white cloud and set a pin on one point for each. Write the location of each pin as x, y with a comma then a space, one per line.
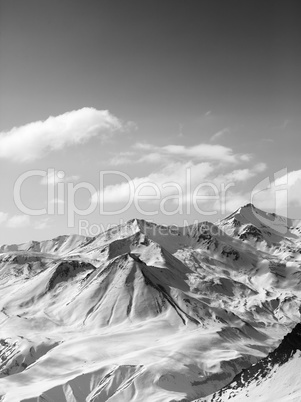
129, 158
235, 200
219, 134
199, 152
240, 175
22, 221
177, 178
3, 217
149, 153
34, 140
209, 165
172, 174
42, 223
122, 158
145, 146
153, 157
18, 221
279, 194
54, 177
15, 221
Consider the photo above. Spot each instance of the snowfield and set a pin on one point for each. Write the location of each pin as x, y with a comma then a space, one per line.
149, 313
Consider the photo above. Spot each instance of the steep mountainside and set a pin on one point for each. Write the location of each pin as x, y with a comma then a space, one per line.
145, 312
274, 378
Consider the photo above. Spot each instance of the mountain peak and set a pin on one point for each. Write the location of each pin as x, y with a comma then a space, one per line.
249, 206
268, 226
144, 292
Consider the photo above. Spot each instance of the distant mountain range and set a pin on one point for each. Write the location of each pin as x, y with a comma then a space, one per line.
152, 313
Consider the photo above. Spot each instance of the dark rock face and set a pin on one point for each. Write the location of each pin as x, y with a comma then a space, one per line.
66, 271
229, 251
251, 231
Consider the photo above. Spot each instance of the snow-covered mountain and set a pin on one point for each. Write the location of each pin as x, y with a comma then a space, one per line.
145, 312
274, 378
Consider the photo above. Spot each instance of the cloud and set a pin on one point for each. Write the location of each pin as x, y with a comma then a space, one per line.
3, 217
34, 140
180, 172
123, 158
240, 175
42, 223
165, 181
210, 168
219, 134
145, 146
199, 152
18, 221
54, 177
15, 221
153, 157
179, 179
22, 221
148, 153
279, 194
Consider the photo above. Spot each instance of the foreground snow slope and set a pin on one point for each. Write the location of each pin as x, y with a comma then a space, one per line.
274, 378
146, 312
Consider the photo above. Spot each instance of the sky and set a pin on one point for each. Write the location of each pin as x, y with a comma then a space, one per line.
169, 111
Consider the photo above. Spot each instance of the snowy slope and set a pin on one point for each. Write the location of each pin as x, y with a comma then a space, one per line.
250, 223
274, 378
145, 312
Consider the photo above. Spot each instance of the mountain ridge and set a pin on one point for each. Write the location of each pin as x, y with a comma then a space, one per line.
191, 307
263, 372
